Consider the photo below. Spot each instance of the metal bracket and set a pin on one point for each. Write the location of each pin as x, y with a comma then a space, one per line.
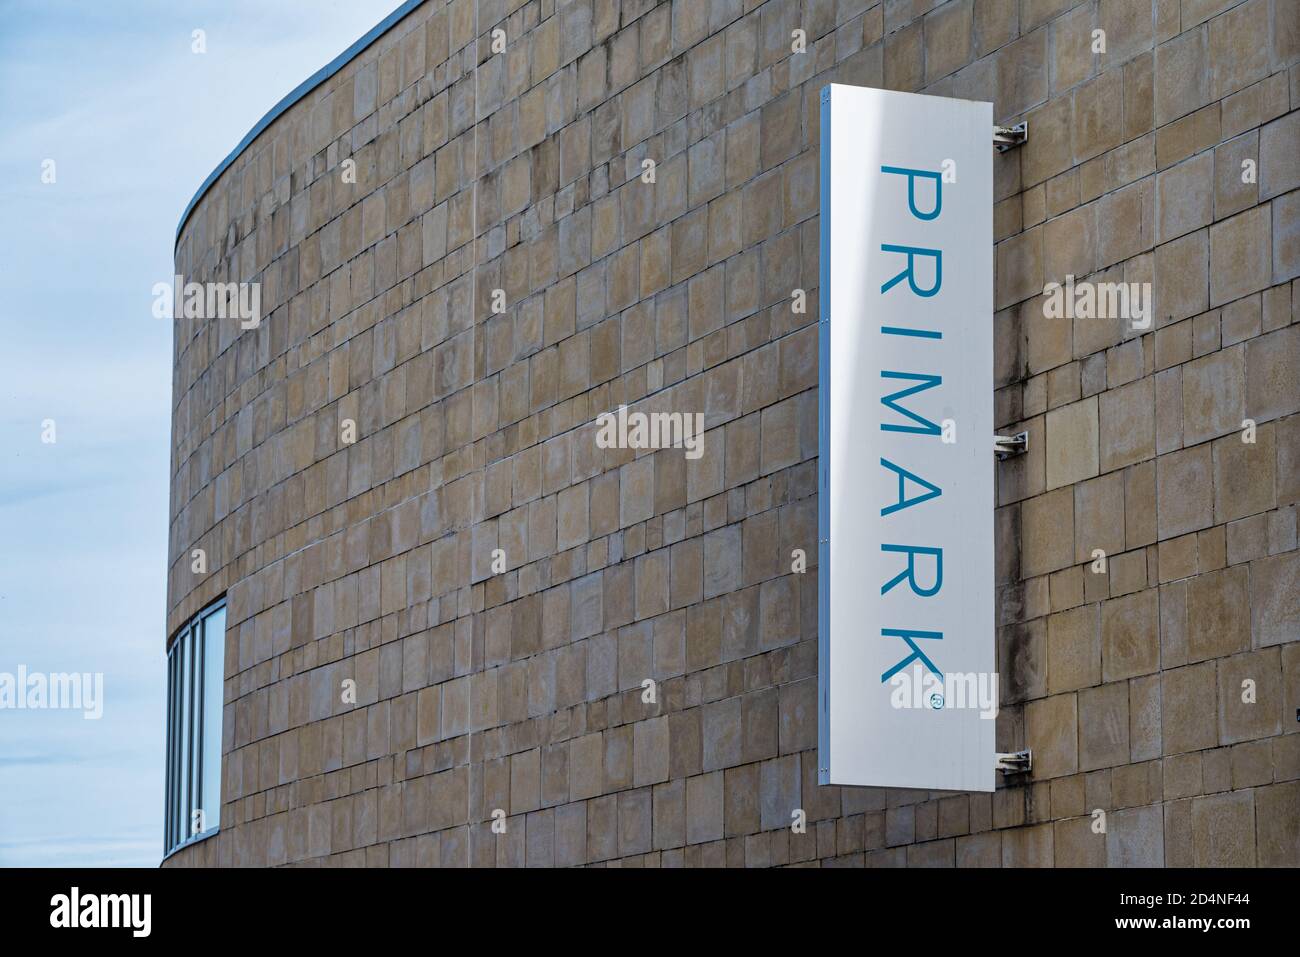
1005, 446
1005, 137
1015, 762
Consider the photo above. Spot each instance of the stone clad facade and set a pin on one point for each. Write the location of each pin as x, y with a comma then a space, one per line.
496, 588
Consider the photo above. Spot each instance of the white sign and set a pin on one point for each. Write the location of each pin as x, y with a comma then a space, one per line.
907, 687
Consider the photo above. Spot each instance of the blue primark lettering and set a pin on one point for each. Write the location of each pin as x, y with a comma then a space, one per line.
921, 426
912, 252
917, 333
911, 175
907, 635
927, 382
912, 551
903, 501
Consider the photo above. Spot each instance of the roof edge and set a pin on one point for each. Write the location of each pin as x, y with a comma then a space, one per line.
296, 94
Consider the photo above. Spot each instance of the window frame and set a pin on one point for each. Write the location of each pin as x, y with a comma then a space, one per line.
183, 774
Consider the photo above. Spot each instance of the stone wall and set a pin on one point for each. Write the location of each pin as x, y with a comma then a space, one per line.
521, 690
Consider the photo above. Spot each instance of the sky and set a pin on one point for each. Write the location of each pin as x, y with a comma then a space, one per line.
134, 121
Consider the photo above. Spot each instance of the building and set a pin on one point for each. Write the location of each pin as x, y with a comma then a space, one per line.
443, 599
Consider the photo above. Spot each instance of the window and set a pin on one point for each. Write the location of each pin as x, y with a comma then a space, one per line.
195, 671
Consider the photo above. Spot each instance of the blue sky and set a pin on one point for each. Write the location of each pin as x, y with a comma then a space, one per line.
134, 122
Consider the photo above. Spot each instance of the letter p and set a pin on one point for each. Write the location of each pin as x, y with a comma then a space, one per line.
912, 175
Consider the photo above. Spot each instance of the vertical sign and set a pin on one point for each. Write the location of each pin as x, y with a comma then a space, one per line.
906, 681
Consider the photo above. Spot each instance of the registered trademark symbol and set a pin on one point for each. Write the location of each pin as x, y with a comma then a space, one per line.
936, 701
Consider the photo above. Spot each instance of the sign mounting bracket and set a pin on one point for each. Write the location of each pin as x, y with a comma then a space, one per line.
1005, 446
1015, 762
1005, 137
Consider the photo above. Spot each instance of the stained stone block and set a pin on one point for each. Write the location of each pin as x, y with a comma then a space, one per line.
1184, 199
570, 834
1184, 491
1216, 770
722, 734
900, 825
1135, 837
782, 130
778, 791
1028, 847
1144, 718
1279, 167
669, 815
1272, 374
650, 751
1250, 696
1020, 268
979, 850
1223, 830
1047, 532
1277, 809
947, 40
1073, 649
1103, 726
1071, 46
704, 808
1051, 731
1244, 475
1275, 599
1128, 424
1188, 708
741, 800
1218, 614
602, 835
1213, 395
1075, 844
1182, 285
635, 822
1252, 764
1237, 57
1130, 635
1182, 82
1240, 255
